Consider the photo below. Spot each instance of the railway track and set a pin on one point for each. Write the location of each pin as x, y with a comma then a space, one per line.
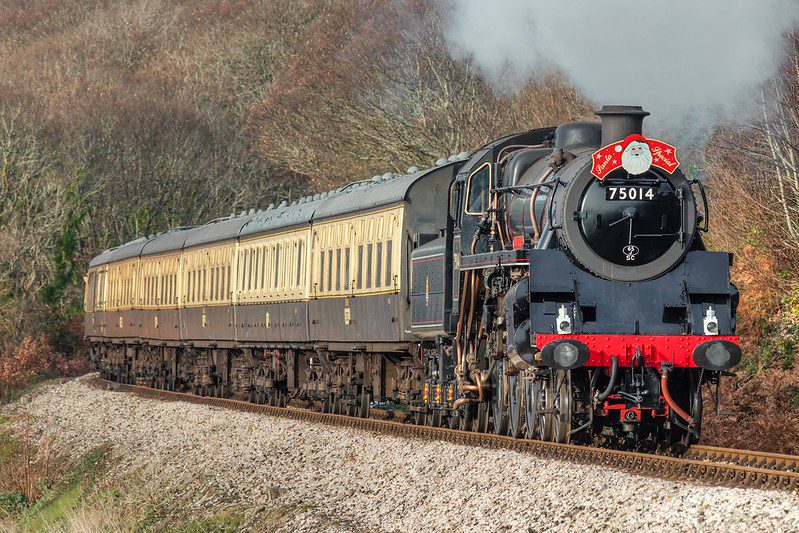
705, 464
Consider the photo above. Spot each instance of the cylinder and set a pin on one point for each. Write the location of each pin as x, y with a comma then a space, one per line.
619, 121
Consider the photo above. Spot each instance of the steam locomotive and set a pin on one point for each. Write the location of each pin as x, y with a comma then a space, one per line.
553, 285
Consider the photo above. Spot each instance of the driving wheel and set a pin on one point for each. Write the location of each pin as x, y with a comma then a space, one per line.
499, 412
563, 404
515, 415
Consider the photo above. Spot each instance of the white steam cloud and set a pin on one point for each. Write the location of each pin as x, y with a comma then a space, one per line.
690, 63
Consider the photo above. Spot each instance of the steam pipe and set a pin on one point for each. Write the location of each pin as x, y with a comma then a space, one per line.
614, 376
665, 368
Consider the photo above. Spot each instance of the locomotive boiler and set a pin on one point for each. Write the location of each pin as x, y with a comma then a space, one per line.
553, 285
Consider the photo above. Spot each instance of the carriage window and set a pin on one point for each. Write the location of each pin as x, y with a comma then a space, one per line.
220, 272
251, 269
338, 269
479, 191
369, 266
329, 277
300, 262
346, 269
359, 276
284, 271
389, 245
277, 262
245, 257
322, 271
379, 266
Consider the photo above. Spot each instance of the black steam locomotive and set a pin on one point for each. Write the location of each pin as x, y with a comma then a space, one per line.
553, 285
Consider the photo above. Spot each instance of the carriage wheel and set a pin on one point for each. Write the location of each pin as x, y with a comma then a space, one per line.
337, 407
327, 404
282, 398
364, 404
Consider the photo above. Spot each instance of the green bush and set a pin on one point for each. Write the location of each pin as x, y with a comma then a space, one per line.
12, 504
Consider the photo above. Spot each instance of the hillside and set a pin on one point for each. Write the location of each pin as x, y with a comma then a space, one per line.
123, 118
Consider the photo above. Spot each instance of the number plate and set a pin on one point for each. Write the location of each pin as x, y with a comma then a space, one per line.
627, 193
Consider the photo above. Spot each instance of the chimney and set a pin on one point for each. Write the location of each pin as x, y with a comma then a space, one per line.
619, 121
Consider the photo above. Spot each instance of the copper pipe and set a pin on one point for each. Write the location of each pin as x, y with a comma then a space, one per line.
459, 329
461, 401
664, 389
533, 219
494, 220
515, 147
479, 380
471, 306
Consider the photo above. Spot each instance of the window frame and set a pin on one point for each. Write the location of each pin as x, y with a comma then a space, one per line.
468, 195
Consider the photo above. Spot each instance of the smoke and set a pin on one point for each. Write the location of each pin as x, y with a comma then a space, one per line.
690, 63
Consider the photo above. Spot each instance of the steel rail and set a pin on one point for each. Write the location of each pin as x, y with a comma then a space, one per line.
756, 459
704, 464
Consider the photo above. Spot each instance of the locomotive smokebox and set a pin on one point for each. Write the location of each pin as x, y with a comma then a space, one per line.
619, 121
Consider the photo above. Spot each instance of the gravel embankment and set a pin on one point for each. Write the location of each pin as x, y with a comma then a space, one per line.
323, 478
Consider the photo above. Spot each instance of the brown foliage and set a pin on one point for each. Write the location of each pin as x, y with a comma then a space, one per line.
373, 88
29, 463
765, 414
32, 358
753, 172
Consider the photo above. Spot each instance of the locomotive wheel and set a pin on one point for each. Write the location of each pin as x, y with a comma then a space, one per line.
499, 413
696, 411
546, 421
454, 421
533, 399
466, 420
515, 416
563, 404
688, 437
481, 421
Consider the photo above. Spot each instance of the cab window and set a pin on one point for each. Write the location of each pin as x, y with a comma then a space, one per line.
478, 194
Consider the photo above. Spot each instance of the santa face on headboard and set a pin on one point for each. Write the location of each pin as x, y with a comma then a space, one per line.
636, 157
